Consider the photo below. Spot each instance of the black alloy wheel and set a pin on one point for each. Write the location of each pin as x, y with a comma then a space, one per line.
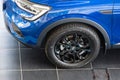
72, 45
72, 48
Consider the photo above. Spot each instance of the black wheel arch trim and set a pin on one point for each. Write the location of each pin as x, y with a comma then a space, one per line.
81, 20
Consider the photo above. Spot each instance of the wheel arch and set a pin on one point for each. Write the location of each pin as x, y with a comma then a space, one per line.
102, 33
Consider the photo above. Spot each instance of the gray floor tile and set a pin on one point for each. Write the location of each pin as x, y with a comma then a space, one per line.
35, 59
4, 33
40, 75
114, 74
9, 75
75, 75
110, 60
9, 59
8, 42
100, 74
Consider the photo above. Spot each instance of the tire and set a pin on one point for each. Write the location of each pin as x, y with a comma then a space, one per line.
72, 45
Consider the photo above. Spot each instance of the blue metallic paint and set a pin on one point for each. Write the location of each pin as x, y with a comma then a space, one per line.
64, 9
116, 23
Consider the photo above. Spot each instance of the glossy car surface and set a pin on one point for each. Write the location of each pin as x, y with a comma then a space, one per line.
102, 15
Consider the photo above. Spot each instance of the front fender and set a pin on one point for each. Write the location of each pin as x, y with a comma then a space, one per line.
80, 20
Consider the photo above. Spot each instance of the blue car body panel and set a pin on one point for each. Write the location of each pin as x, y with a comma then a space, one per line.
116, 22
104, 13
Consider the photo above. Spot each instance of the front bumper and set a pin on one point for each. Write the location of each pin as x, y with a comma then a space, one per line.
23, 30
14, 30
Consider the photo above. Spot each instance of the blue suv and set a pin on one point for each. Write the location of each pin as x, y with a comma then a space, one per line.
72, 32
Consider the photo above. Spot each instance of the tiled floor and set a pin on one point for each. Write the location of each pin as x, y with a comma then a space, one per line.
18, 62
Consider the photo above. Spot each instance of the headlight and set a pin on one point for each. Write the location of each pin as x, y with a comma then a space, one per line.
36, 9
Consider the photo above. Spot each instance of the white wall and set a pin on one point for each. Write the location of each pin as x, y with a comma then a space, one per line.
2, 26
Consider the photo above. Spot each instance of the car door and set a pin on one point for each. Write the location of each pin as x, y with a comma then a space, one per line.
116, 23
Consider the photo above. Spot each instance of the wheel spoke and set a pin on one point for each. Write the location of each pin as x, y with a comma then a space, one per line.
62, 53
65, 40
74, 58
82, 52
81, 58
84, 46
76, 37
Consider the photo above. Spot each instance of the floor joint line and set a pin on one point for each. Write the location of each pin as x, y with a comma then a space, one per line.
21, 71
57, 73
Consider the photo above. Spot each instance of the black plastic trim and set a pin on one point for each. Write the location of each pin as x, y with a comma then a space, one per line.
81, 20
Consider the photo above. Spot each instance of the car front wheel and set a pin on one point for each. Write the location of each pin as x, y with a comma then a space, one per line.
72, 45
